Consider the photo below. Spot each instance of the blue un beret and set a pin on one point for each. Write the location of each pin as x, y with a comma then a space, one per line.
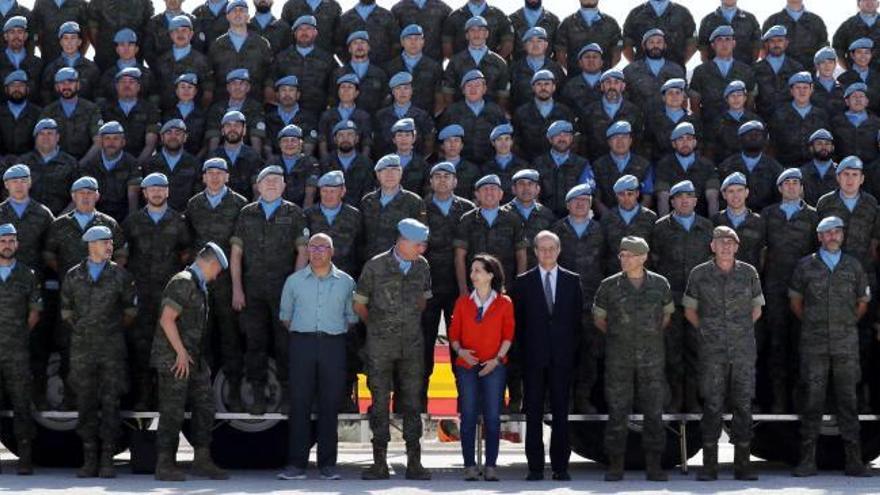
387, 161
334, 178
98, 233
290, 80
357, 35
215, 163
400, 79
851, 162
684, 186
412, 30
752, 125
349, 78
682, 129
453, 130
404, 125
173, 124
218, 253
471, 75
17, 171
734, 179
188, 77
578, 191
270, 170
241, 74
500, 130
543, 75
733, 87
132, 72
590, 47
535, 32
112, 127
16, 21
852, 88
344, 125
802, 77
651, 33
823, 134
725, 30
443, 167
789, 173
488, 180
829, 223
476, 21
17, 75
775, 32
236, 3
180, 21
626, 182
674, 83
155, 179
125, 35
612, 73
619, 127
861, 43
308, 20
8, 229
413, 230
69, 27
232, 116
290, 130
45, 124
66, 74
527, 174
84, 182
823, 54
558, 127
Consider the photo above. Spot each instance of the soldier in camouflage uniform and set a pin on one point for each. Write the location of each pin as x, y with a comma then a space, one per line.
157, 35
356, 167
21, 300
739, 217
627, 218
535, 217
18, 58
384, 32
819, 174
211, 215
403, 106
71, 40
452, 138
373, 80
239, 48
771, 78
390, 297
613, 106
127, 57
19, 116
244, 161
48, 17
681, 242
534, 116
829, 293
107, 17
314, 70
386, 206
181, 58
137, 114
429, 16
426, 72
237, 98
301, 170
98, 301
794, 122
582, 252
758, 167
325, 18
722, 302
620, 161
646, 77
116, 171
500, 32
79, 128
505, 163
415, 169
743, 23
561, 168
185, 108
347, 91
182, 168
633, 308
582, 90
289, 111
476, 115
268, 245
686, 164
674, 19
179, 355
158, 239
806, 31
588, 26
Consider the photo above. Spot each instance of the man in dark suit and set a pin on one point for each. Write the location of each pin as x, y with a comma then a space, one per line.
548, 305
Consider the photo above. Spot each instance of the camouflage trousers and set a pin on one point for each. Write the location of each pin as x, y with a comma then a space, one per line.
223, 322
723, 384
590, 352
395, 363
15, 381
816, 370
140, 339
98, 384
627, 384
682, 356
174, 397
263, 331
438, 307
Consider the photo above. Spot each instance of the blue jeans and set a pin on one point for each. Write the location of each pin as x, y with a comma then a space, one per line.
480, 395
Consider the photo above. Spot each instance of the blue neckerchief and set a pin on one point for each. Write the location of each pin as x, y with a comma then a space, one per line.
110, 163
476, 106
535, 63
525, 211
290, 162
476, 8
156, 216
728, 12
405, 159
287, 116
590, 15
314, 4
686, 161
95, 269
185, 108
862, 72
83, 219
655, 64
269, 207
659, 6
559, 158
822, 167
304, 51
723, 64
51, 156
345, 161
16, 108
59, 3
6, 271
455, 161
674, 114
124, 64
237, 40
856, 118
401, 110
404, 265
384, 199
830, 259
420, 3
19, 206
588, 177
180, 53
751, 162
579, 227
850, 203
627, 215
477, 54
802, 111
736, 114
171, 160
126, 106
215, 200
443, 204
868, 19
686, 222
360, 68
364, 10
532, 15
827, 83
70, 60
410, 61
171, 15
331, 213
345, 112
234, 105
790, 208
264, 19
232, 152
544, 107
794, 14
200, 277
216, 7
6, 6
621, 161
15, 57
611, 108
775, 62
489, 214
503, 160
591, 79
69, 106
736, 219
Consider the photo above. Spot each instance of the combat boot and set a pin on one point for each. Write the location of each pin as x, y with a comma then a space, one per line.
379, 469
742, 465
258, 407
167, 469
108, 470
89, 468
414, 468
653, 470
25, 456
854, 466
233, 399
807, 465
204, 466
615, 468
709, 471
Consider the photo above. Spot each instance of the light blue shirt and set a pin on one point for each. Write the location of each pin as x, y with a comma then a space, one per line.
822, 167
16, 108
127, 105
185, 108
686, 222
868, 19
405, 265
579, 227
287, 116
110, 163
401, 110
856, 118
830, 259
544, 107
611, 108
364, 10
478, 53
19, 206
405, 158
304, 51
384, 199
862, 72
237, 40
345, 160
443, 205
524, 211
476, 8
200, 277
503, 160
728, 12
269, 207
263, 19
318, 304
736, 114
621, 161
802, 111
751, 162
736, 219
83, 219
850, 203
68, 105
360, 68
489, 214
345, 112
775, 62
590, 15
216, 7
6, 6
826, 82
15, 57
331, 213
314, 4
559, 158
476, 106
686, 161
70, 60
627, 215
156, 216
290, 162
95, 269
532, 15
790, 208
410, 61
535, 63
180, 53
659, 6
6, 271
51, 156
420, 3
125, 63
674, 114
591, 79
794, 14
655, 64
215, 200
723, 65
232, 152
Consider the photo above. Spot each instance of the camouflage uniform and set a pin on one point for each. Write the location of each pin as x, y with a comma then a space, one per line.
659, 126
255, 55
77, 130
16, 133
539, 218
721, 136
852, 29
805, 35
253, 114
304, 119
531, 127
331, 117
106, 85
521, 79
382, 28
64, 244
372, 89
615, 228
708, 83
643, 87
860, 141
32, 65
500, 29
48, 17
359, 176
501, 239
477, 147
607, 173
114, 183
243, 171
702, 173
51, 181
773, 90
493, 67
141, 120
184, 180
634, 356
761, 179
208, 25
327, 15
830, 100
168, 69
89, 79
387, 117
547, 20
394, 341
816, 186
557, 180
791, 132
595, 121
751, 239
505, 174
108, 17
157, 40
380, 222
430, 18
304, 173
578, 94
195, 121
313, 72
677, 24
745, 25
574, 34
427, 80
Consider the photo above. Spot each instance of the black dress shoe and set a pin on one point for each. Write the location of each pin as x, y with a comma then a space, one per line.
562, 476
535, 476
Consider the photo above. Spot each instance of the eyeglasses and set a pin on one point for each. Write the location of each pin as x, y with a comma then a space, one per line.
319, 249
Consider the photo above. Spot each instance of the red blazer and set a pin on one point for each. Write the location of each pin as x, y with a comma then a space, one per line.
483, 337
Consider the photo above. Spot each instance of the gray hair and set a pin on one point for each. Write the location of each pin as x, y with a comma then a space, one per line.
322, 236
546, 234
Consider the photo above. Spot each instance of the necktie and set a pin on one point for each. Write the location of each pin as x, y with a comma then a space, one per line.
548, 292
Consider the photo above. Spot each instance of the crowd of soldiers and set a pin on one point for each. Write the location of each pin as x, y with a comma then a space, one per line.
252, 133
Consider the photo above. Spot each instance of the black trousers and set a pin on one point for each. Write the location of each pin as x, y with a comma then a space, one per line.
538, 381
316, 371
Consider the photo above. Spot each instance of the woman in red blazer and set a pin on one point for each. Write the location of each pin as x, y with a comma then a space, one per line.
480, 335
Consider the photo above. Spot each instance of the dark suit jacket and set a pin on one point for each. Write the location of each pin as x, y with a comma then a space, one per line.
545, 338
